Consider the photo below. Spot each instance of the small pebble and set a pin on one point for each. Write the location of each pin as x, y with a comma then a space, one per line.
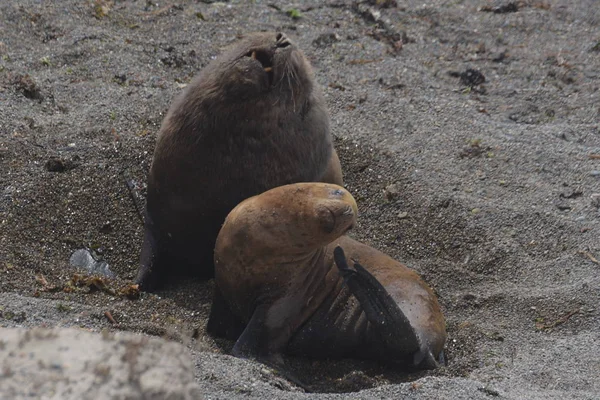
392, 191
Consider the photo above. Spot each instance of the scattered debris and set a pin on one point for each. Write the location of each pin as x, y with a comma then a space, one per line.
590, 256
474, 149
392, 191
502, 9
120, 79
542, 5
173, 58
335, 85
294, 13
501, 56
362, 61
26, 85
106, 228
326, 39
92, 283
542, 325
63, 307
57, 164
571, 194
595, 199
489, 391
131, 292
563, 206
101, 8
391, 83
472, 77
383, 31
46, 61
41, 279
110, 318
17, 317
383, 3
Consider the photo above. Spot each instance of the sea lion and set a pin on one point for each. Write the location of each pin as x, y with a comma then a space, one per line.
252, 120
275, 260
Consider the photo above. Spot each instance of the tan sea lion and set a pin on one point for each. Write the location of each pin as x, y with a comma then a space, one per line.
252, 120
275, 260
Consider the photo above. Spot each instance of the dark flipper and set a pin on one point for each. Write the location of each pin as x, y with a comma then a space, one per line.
383, 312
256, 342
221, 321
149, 275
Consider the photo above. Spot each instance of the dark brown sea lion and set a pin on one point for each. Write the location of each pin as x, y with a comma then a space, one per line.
275, 260
252, 120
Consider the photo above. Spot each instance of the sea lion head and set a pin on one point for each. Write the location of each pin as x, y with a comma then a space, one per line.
291, 219
262, 67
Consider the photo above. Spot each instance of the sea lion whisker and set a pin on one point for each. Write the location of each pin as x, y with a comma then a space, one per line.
294, 73
292, 89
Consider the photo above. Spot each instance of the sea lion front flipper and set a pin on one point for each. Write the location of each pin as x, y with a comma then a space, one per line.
221, 321
254, 342
381, 310
259, 343
148, 276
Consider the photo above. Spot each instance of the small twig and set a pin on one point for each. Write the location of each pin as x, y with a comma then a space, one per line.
561, 320
594, 156
590, 256
110, 318
41, 279
362, 61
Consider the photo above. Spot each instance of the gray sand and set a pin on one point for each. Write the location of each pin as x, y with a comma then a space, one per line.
491, 192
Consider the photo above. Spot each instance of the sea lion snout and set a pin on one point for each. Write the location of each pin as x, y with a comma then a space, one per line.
282, 40
335, 209
265, 55
348, 213
265, 58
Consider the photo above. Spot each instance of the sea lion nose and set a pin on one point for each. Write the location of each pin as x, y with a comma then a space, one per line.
282, 40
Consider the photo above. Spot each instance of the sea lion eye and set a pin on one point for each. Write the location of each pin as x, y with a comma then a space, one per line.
337, 193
